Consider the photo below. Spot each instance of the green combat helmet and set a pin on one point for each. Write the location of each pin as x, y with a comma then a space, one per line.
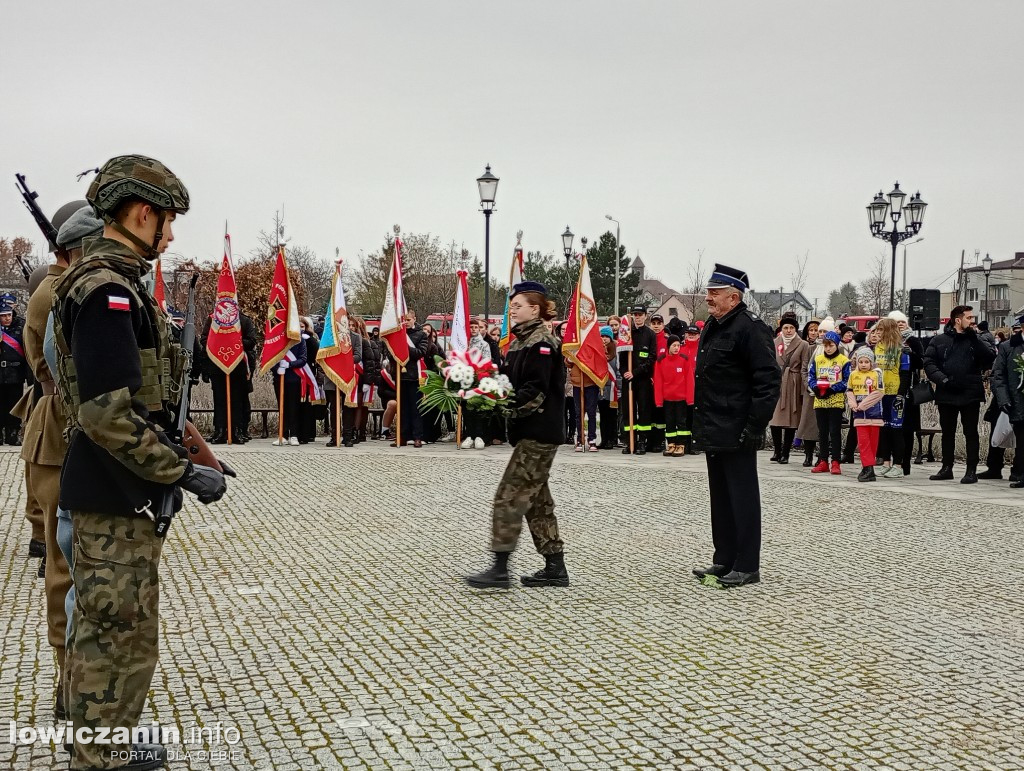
136, 177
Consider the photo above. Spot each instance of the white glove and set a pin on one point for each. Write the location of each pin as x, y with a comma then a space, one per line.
282, 367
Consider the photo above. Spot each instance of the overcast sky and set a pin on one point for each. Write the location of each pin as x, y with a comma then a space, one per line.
754, 131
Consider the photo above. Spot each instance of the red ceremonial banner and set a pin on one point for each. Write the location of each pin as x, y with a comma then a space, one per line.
224, 343
281, 330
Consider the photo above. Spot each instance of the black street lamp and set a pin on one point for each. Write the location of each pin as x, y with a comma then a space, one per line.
567, 238
488, 187
986, 265
894, 207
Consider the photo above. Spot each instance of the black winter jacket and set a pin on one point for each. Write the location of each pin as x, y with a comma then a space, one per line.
13, 366
737, 380
954, 362
1006, 380
534, 365
371, 362
645, 352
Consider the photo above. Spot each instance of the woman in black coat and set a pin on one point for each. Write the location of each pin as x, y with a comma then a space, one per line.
535, 429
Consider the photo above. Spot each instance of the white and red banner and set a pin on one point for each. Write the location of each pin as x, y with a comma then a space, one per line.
460, 320
159, 290
392, 328
335, 354
281, 330
224, 343
582, 338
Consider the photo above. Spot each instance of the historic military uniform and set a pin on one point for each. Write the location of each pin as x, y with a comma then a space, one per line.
116, 369
536, 427
736, 389
643, 355
13, 372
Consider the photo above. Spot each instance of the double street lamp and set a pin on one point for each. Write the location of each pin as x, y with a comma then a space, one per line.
912, 215
487, 184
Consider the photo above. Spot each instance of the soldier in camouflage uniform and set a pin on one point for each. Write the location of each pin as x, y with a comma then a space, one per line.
115, 370
536, 428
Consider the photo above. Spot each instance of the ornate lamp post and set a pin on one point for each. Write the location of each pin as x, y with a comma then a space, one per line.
986, 265
567, 238
913, 217
487, 184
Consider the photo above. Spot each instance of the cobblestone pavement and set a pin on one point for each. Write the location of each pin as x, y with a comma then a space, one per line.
319, 610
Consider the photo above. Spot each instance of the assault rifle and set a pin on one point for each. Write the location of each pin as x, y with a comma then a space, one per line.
30, 196
184, 432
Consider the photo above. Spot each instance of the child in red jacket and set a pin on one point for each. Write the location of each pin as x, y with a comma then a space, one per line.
673, 390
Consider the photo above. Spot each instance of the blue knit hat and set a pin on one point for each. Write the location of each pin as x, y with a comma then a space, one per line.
607, 332
834, 337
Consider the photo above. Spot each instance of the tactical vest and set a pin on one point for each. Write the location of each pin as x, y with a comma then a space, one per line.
162, 365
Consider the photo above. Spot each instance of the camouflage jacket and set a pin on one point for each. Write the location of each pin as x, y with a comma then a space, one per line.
535, 367
114, 362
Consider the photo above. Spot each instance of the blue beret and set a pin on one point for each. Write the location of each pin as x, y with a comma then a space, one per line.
529, 286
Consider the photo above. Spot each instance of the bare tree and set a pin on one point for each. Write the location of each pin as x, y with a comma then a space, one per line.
695, 288
11, 277
799, 279
874, 290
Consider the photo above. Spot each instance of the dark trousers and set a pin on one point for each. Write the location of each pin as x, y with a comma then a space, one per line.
412, 420
571, 424
643, 408
477, 424
10, 393
675, 422
968, 414
609, 423
997, 455
589, 408
688, 431
240, 410
735, 510
830, 432
292, 402
891, 445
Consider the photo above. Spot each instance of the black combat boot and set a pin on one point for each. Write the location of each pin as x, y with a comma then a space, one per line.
41, 573
552, 574
360, 435
348, 437
776, 444
495, 577
36, 548
809, 453
971, 477
12, 437
945, 473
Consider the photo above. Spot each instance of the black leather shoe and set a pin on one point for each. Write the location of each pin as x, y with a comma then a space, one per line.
1017, 485
783, 459
994, 473
331, 443
219, 437
945, 473
495, 577
36, 548
1013, 477
625, 450
552, 574
714, 570
970, 478
736, 578
640, 450
808, 461
867, 474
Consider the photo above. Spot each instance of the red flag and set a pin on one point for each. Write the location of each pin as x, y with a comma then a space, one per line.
224, 343
582, 340
281, 330
392, 330
159, 292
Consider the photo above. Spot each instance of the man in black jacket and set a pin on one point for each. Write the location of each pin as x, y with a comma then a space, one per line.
955, 361
736, 388
419, 345
640, 381
13, 370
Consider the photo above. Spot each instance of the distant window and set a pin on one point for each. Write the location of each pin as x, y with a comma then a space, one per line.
673, 312
972, 295
999, 292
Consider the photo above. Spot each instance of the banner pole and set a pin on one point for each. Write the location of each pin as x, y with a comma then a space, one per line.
337, 417
227, 380
458, 428
632, 416
398, 404
280, 410
583, 405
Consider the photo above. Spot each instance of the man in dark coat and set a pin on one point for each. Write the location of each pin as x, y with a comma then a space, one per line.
638, 380
13, 372
736, 388
955, 361
1006, 385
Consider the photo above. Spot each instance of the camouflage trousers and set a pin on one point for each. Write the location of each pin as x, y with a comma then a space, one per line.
523, 492
113, 649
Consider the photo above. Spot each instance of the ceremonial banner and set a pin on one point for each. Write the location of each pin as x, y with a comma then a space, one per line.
460, 320
281, 330
625, 340
392, 332
224, 343
515, 277
582, 338
335, 354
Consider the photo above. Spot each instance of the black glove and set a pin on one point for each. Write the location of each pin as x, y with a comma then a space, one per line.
204, 482
1004, 408
751, 439
228, 471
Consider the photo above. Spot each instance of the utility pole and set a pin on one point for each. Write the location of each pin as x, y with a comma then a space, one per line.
960, 280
